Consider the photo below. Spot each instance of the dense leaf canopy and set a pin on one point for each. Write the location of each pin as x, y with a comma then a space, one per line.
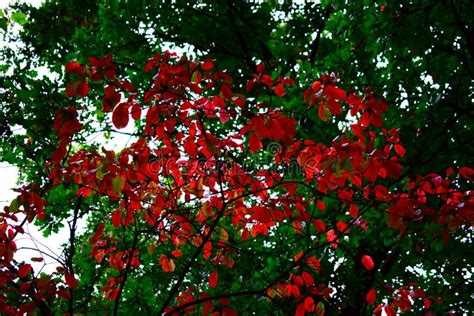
308, 158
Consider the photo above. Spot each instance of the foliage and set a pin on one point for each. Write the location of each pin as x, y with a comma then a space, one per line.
269, 187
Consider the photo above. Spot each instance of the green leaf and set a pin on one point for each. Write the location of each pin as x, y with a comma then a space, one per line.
118, 184
19, 17
14, 205
438, 245
320, 309
4, 67
3, 23
101, 172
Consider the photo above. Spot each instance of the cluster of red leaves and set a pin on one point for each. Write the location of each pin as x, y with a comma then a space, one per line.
183, 101
80, 75
18, 279
402, 299
455, 210
267, 81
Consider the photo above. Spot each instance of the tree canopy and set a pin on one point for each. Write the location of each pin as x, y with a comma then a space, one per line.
308, 158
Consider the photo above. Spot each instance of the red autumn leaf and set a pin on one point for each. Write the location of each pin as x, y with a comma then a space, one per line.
427, 303
308, 279
136, 111
107, 67
357, 180
280, 90
224, 116
254, 143
300, 310
370, 297
75, 67
19, 229
24, 270
342, 227
324, 113
390, 310
152, 115
213, 279
381, 192
309, 305
71, 281
245, 234
83, 89
287, 81
354, 211
226, 91
345, 195
334, 92
167, 264
239, 101
250, 85
330, 236
333, 106
125, 86
171, 265
319, 225
177, 253
371, 173
116, 216
376, 120
267, 80
208, 306
98, 232
207, 250
120, 115
467, 173
281, 128
320, 308
71, 89
313, 263
321, 205
195, 88
227, 311
298, 256
190, 147
150, 64
315, 86
37, 259
95, 62
393, 168
111, 98
64, 293
207, 65
367, 262
400, 150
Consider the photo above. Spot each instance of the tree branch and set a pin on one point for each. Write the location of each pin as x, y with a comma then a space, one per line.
315, 43
216, 297
125, 276
72, 249
240, 38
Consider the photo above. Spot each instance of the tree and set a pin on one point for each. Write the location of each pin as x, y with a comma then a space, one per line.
250, 191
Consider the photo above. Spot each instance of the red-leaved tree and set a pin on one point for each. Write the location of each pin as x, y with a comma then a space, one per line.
221, 204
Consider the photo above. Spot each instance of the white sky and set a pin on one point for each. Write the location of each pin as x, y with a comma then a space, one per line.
5, 3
